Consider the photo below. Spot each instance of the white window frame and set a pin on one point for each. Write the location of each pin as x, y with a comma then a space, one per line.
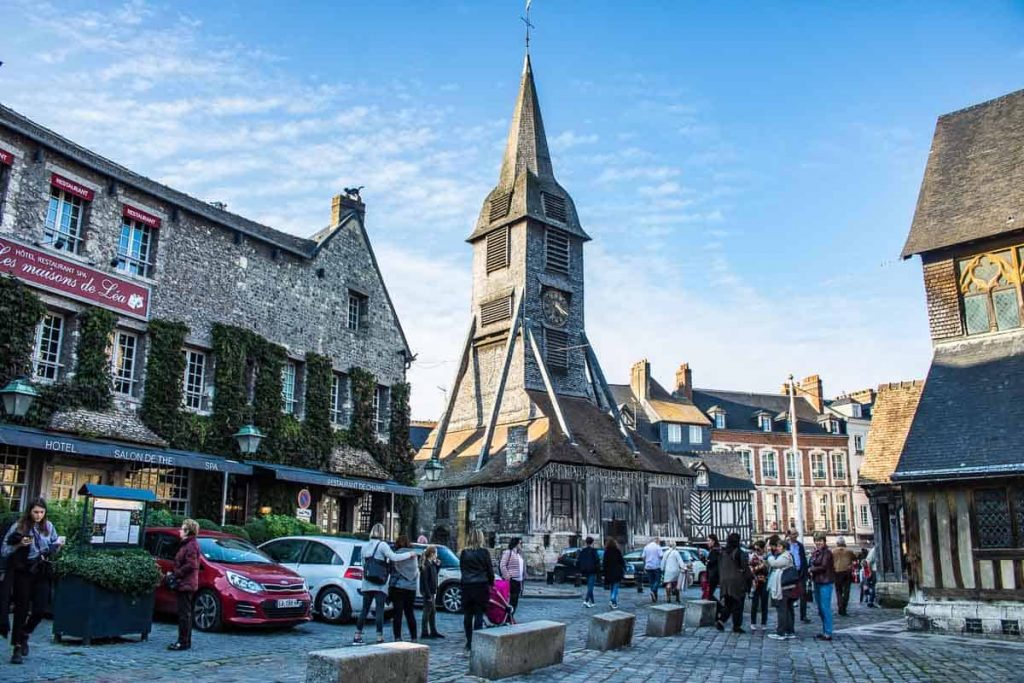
289, 374
139, 238
856, 410
674, 433
380, 399
824, 508
772, 511
747, 458
702, 478
696, 434
833, 426
865, 516
842, 513
193, 394
840, 460
858, 442
65, 216
46, 365
339, 396
719, 420
766, 457
790, 458
765, 423
124, 362
816, 460
358, 304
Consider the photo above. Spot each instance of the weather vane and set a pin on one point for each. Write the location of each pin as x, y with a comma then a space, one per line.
526, 20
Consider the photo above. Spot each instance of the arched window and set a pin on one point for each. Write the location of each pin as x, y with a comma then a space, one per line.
990, 288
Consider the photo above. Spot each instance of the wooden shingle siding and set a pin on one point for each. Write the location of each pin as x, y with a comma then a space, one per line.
943, 299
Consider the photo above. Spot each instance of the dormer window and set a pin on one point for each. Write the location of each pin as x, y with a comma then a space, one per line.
765, 423
834, 426
719, 417
855, 410
702, 477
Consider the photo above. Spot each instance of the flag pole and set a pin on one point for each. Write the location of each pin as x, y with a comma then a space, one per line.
799, 460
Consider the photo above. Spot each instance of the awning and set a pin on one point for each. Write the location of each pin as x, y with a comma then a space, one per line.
115, 450
317, 478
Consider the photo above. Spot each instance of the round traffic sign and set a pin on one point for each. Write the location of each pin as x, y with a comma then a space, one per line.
305, 498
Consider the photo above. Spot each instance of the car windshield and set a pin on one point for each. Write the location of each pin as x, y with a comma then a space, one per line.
232, 551
449, 560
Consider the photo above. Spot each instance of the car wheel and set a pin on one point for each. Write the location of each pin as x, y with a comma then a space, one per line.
333, 606
451, 598
559, 575
206, 613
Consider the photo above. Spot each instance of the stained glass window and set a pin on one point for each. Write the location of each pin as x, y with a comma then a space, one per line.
993, 518
990, 287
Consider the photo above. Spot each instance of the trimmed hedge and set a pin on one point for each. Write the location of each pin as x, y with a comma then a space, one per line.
132, 572
263, 529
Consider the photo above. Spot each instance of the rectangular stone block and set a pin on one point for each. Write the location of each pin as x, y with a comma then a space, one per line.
508, 651
384, 663
611, 630
665, 620
700, 613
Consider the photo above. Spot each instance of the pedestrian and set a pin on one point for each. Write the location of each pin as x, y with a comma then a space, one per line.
672, 568
588, 563
799, 553
423, 540
376, 554
735, 578
870, 576
405, 577
477, 579
843, 560
512, 568
714, 554
184, 581
614, 570
428, 589
652, 566
783, 587
759, 597
29, 547
822, 571
550, 563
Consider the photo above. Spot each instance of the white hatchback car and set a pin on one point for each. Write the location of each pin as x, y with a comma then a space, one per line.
331, 566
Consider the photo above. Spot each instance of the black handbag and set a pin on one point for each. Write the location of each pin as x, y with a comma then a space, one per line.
171, 581
375, 571
790, 577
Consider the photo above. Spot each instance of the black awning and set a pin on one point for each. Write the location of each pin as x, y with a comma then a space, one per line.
317, 478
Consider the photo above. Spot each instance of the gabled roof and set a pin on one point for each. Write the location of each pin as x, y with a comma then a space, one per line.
968, 421
725, 470
742, 408
661, 406
895, 406
973, 186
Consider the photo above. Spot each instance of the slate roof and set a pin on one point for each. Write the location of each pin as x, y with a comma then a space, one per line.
971, 412
599, 443
741, 407
662, 406
355, 462
895, 405
121, 425
974, 182
725, 470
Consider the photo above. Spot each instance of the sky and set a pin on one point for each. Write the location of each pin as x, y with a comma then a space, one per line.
748, 170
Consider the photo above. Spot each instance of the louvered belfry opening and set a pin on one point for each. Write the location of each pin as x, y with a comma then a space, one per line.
556, 249
500, 206
497, 249
554, 206
556, 351
496, 310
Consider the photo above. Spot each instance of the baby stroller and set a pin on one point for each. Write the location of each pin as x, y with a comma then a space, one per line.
499, 610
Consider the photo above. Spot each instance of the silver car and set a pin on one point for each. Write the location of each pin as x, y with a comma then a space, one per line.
331, 566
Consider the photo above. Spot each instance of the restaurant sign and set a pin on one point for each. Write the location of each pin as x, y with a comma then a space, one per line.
63, 276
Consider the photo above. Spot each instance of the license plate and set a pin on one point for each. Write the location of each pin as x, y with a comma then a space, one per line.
289, 602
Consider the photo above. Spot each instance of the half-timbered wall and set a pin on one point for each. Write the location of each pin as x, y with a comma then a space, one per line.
721, 513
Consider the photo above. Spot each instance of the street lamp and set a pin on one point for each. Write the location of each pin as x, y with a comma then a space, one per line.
248, 439
18, 397
433, 470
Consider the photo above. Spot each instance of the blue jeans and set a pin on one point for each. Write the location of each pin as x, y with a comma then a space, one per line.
591, 582
654, 579
823, 599
614, 593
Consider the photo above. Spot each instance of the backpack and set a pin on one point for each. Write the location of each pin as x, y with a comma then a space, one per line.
375, 570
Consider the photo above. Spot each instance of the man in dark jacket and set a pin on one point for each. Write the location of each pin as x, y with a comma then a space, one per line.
796, 549
588, 564
734, 580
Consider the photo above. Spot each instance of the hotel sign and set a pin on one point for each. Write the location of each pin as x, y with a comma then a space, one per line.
55, 274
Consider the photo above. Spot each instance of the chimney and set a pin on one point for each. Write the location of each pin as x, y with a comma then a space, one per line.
684, 382
864, 396
640, 379
343, 203
811, 389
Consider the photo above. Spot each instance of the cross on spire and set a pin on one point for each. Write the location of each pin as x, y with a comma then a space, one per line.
526, 20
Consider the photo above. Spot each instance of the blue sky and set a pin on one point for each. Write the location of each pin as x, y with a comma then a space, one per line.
748, 170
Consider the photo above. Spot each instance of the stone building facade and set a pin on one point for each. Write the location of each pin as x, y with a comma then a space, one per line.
81, 230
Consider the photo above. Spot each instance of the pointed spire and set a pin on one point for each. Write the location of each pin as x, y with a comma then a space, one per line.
527, 147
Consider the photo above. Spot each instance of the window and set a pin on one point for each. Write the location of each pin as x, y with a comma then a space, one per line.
990, 290
659, 506
719, 420
13, 473
288, 400
285, 551
133, 250
855, 410
768, 468
561, 499
170, 484
46, 356
771, 511
835, 426
126, 346
318, 553
675, 433
842, 521
702, 477
858, 443
497, 249
556, 349
441, 508
823, 511
63, 227
6, 159
194, 389
994, 521
790, 466
818, 466
357, 305
696, 434
839, 466
556, 251
765, 421
380, 410
865, 516
745, 456
339, 395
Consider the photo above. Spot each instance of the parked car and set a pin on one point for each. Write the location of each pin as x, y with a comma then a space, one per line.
566, 569
238, 584
332, 568
635, 559
698, 560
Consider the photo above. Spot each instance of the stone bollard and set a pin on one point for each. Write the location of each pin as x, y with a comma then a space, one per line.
384, 663
611, 630
665, 620
700, 613
511, 650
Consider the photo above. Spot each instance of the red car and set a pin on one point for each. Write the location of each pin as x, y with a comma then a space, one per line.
238, 584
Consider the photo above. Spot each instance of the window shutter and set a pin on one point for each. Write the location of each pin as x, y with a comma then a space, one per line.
497, 250
496, 310
500, 206
555, 351
554, 206
557, 251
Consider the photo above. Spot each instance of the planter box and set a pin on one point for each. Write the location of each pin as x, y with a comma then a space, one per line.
84, 610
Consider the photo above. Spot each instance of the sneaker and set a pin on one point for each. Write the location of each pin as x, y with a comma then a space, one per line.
822, 636
586, 604
790, 636
380, 638
776, 636
357, 639
614, 605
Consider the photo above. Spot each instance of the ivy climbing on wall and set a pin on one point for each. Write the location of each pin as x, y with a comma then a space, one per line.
92, 382
20, 310
165, 372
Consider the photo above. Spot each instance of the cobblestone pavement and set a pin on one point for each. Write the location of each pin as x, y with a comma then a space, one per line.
870, 645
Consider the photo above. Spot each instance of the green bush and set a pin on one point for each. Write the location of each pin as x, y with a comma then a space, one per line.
132, 572
208, 524
236, 530
159, 517
262, 529
66, 516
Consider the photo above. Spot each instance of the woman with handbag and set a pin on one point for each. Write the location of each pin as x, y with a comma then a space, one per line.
783, 587
376, 555
614, 570
512, 568
477, 579
29, 546
184, 581
404, 579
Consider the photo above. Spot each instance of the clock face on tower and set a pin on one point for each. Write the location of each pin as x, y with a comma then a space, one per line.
556, 307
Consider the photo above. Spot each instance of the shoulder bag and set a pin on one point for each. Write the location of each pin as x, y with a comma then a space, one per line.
375, 570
